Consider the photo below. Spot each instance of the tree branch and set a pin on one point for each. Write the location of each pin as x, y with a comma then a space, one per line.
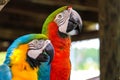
3, 3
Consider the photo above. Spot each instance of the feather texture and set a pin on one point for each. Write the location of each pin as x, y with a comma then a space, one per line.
20, 68
51, 17
16, 58
21, 40
60, 66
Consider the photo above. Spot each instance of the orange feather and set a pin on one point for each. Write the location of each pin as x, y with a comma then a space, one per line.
21, 70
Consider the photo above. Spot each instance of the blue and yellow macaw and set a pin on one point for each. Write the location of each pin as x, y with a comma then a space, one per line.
24, 57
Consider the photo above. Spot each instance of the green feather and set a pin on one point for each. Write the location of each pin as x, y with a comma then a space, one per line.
51, 17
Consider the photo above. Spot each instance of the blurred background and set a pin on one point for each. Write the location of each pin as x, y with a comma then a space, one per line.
85, 59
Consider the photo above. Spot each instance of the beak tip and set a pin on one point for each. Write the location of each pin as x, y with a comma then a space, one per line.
78, 19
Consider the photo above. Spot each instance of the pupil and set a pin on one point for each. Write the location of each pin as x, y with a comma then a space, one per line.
60, 16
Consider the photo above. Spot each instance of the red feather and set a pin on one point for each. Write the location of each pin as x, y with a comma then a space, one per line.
60, 66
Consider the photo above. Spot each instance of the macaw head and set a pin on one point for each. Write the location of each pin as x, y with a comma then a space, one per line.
37, 51
67, 19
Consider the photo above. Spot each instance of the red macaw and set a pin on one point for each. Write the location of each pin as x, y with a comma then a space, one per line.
59, 26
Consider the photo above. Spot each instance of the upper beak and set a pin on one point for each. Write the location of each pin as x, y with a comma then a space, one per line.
75, 23
50, 51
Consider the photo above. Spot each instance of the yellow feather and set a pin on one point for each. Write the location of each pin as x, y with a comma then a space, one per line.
21, 70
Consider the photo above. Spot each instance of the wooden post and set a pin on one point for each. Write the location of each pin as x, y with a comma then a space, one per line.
109, 20
3, 3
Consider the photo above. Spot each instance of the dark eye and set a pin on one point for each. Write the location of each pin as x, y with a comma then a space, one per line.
59, 16
35, 41
40, 44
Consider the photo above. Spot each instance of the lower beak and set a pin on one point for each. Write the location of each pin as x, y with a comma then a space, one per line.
50, 51
75, 23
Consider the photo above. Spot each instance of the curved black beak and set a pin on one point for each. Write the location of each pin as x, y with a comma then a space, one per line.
75, 23
50, 51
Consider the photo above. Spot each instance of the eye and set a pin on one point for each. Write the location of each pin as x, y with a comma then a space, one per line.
34, 42
59, 16
40, 44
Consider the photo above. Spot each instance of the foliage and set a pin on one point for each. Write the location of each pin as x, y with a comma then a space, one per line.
86, 58
2, 57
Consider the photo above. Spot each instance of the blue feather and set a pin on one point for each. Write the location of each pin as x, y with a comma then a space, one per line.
44, 71
5, 73
21, 40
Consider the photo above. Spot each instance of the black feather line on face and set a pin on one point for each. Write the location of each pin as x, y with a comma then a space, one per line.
32, 62
37, 62
63, 35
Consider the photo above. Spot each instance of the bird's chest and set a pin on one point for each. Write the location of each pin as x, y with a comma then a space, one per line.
62, 50
23, 73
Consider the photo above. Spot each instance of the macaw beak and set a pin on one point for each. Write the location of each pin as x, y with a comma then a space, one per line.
50, 51
75, 23
40, 52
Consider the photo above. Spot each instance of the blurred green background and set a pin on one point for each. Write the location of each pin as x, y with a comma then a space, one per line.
85, 58
2, 57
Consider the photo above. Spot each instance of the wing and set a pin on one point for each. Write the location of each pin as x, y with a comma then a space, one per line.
5, 73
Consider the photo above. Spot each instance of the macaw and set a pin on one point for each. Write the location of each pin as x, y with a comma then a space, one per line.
24, 56
59, 26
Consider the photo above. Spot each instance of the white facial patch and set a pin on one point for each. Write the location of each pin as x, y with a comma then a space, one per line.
36, 47
62, 20
73, 32
34, 53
